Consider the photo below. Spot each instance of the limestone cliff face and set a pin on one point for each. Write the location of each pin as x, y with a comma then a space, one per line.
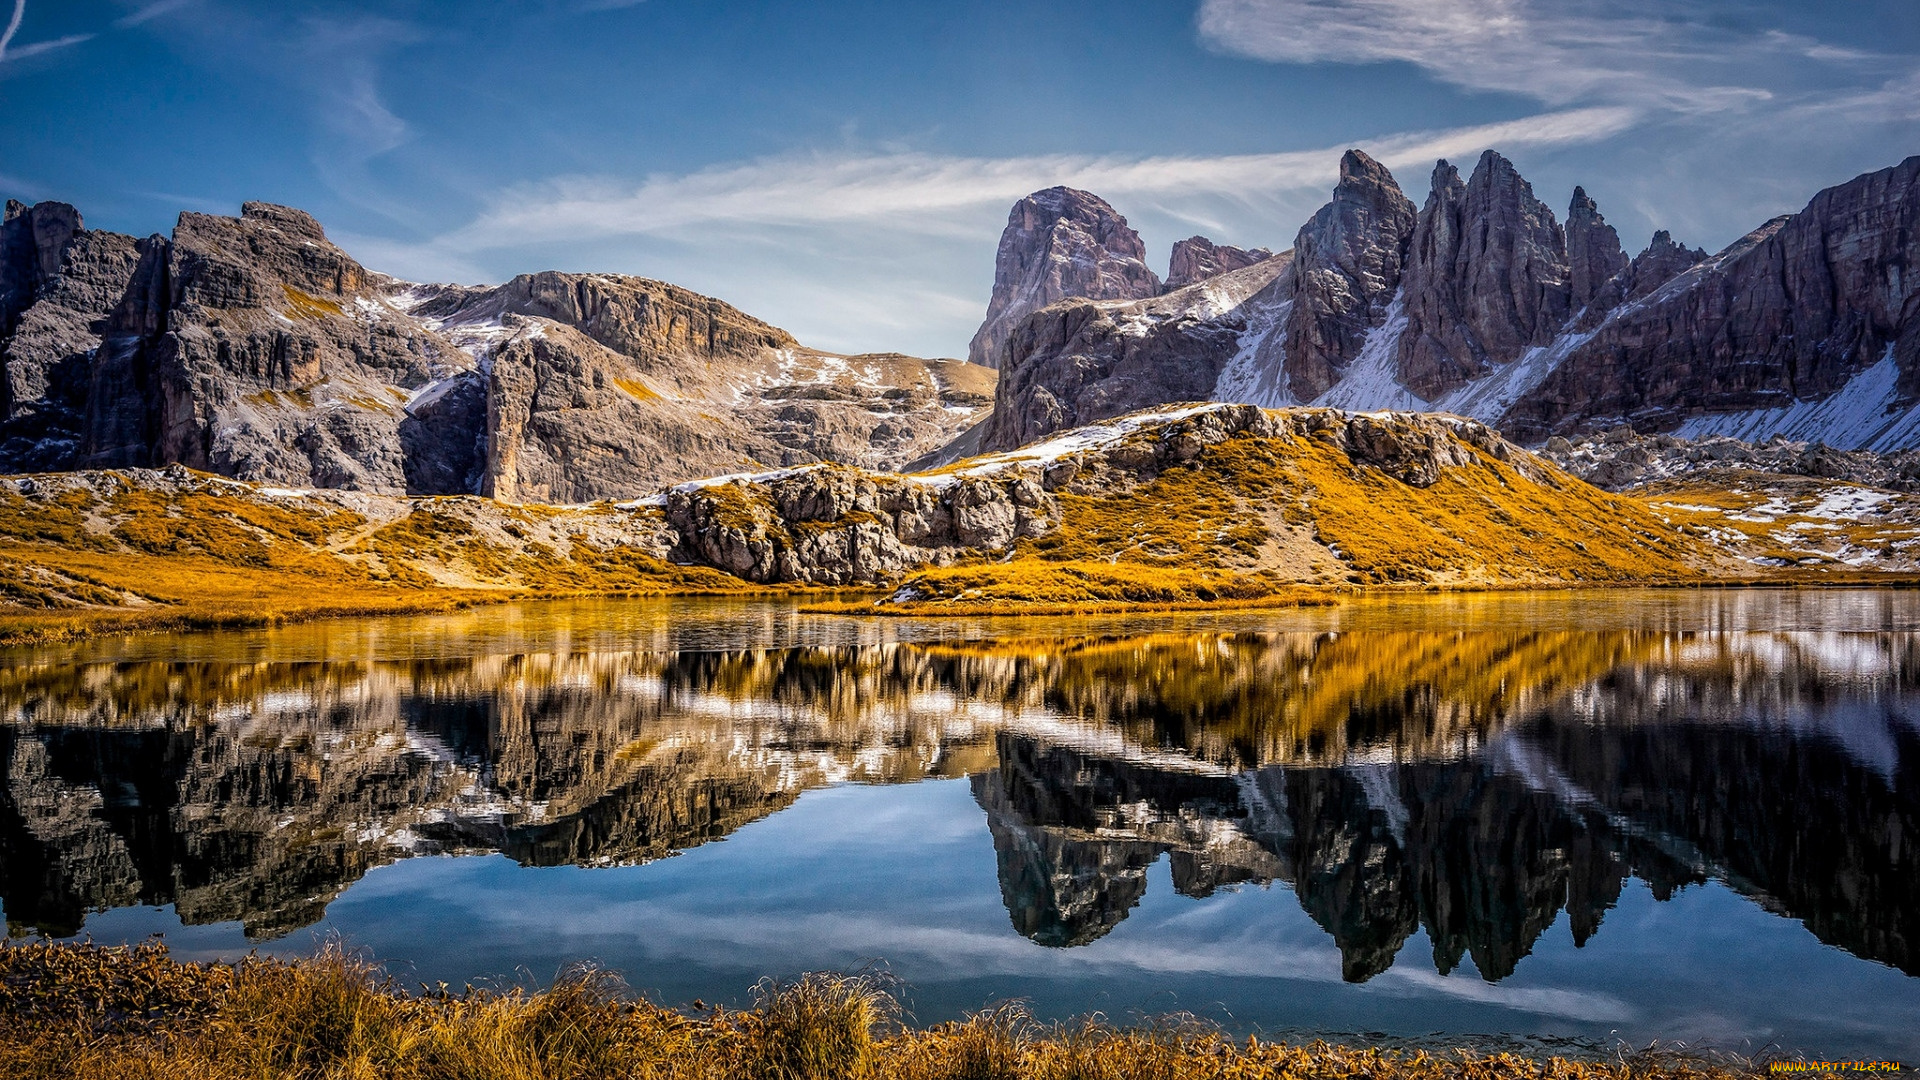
1484, 305
834, 526
1347, 263
1487, 278
1197, 258
1594, 255
1789, 313
59, 282
278, 360
255, 348
1080, 362
1059, 243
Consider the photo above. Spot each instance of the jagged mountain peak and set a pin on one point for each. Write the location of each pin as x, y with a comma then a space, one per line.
1197, 258
1059, 242
1484, 304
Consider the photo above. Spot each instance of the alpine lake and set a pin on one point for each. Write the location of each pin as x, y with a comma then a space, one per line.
1565, 820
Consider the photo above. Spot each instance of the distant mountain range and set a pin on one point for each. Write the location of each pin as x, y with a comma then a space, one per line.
255, 348
1480, 303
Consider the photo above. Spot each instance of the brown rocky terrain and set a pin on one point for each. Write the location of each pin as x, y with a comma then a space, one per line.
1275, 497
255, 348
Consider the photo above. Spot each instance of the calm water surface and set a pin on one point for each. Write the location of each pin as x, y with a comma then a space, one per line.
1636, 815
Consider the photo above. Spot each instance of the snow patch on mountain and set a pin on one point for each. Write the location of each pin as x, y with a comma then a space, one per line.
1372, 382
1247, 379
1865, 414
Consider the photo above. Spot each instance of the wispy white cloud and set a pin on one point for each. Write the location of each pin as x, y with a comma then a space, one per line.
13, 26
38, 47
1643, 53
8, 52
150, 11
925, 193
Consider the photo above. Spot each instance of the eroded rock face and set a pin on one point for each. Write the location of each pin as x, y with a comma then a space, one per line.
1347, 263
45, 357
1790, 312
33, 241
1080, 362
1487, 278
569, 421
1594, 255
835, 526
1504, 315
278, 362
1623, 459
603, 386
1197, 258
255, 348
1059, 243
1661, 262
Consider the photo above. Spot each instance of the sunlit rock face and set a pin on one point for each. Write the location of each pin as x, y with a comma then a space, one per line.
1484, 304
1197, 258
1471, 785
256, 348
1059, 243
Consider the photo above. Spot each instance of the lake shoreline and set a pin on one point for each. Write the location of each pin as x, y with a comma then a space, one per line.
284, 602
114, 1011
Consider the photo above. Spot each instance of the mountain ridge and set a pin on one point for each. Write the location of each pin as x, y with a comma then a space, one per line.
1483, 303
254, 347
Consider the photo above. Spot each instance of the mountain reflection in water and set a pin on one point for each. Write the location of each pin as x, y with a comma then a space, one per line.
1471, 784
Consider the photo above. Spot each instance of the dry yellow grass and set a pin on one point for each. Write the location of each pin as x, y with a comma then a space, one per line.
1478, 524
123, 1013
219, 556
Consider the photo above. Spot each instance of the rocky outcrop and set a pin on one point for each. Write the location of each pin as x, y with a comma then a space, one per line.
1487, 278
255, 348
1594, 255
834, 526
1080, 362
569, 420
1059, 243
47, 345
33, 241
1790, 313
1623, 459
1347, 262
1197, 258
1660, 262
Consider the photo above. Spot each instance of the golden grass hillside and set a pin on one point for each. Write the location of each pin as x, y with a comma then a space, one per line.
1237, 504
140, 550
123, 1013
1176, 508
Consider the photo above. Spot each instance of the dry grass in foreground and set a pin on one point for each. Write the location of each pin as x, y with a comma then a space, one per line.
133, 1012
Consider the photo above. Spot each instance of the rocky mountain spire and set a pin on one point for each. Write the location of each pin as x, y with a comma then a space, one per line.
1594, 255
1487, 277
1197, 258
1660, 263
32, 240
1347, 264
1059, 243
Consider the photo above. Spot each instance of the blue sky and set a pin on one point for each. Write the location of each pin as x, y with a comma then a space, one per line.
844, 169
